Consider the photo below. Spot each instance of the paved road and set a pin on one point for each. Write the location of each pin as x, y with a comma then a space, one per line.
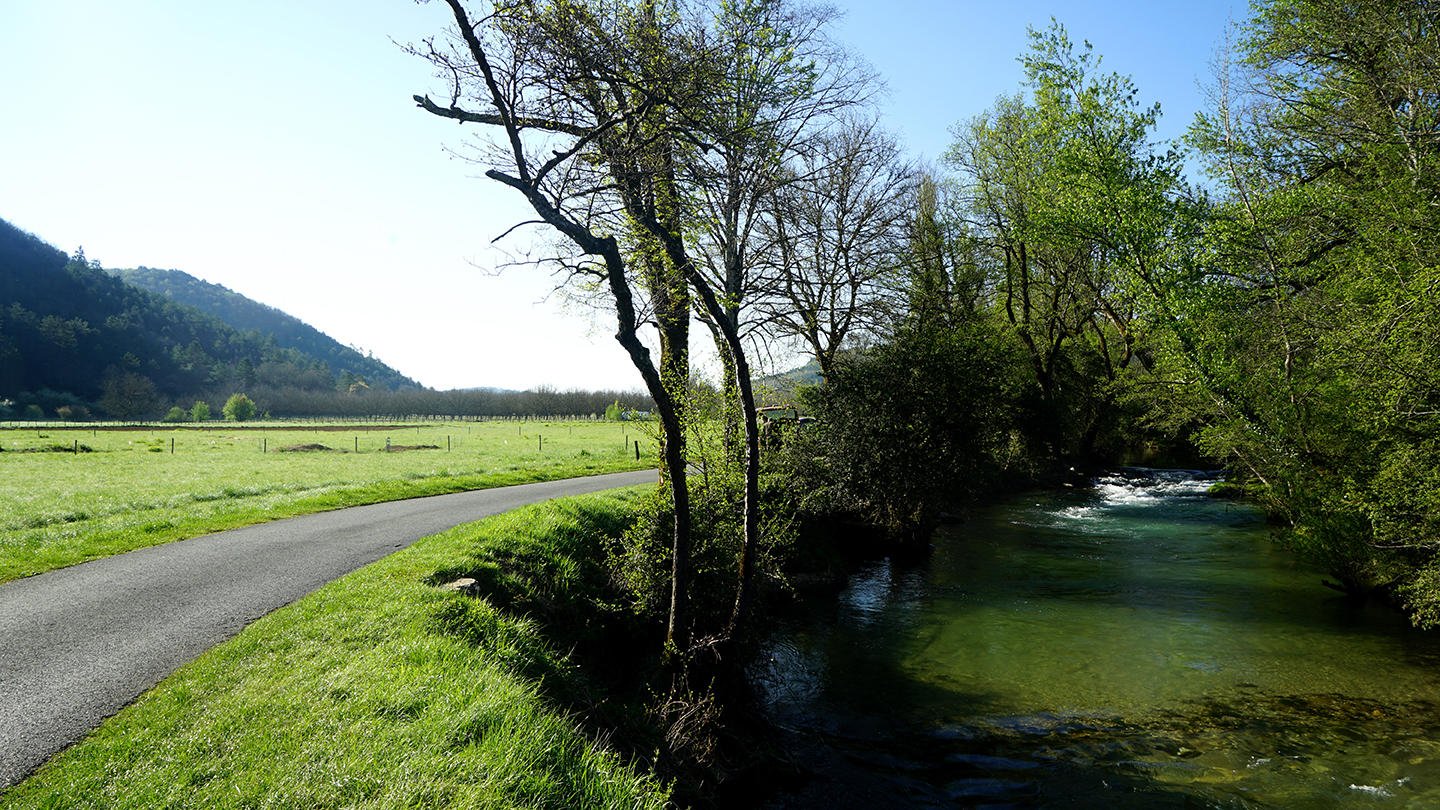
78, 644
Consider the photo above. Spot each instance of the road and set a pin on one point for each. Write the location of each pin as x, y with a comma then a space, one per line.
78, 644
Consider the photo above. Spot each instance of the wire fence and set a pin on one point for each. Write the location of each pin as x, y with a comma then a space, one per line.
377, 420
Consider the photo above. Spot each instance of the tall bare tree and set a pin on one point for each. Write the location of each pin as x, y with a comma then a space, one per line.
582, 97
837, 239
775, 82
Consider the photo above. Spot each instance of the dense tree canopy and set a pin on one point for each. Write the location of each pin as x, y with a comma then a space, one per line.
1313, 307
1284, 314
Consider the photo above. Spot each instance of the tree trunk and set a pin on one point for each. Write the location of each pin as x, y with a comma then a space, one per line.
731, 417
745, 569
746, 574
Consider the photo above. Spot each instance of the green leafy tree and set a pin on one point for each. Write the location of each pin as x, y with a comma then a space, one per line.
175, 414
1312, 326
647, 133
200, 411
1069, 211
573, 91
771, 87
239, 408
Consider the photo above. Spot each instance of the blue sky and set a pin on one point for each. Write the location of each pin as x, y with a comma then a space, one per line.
271, 146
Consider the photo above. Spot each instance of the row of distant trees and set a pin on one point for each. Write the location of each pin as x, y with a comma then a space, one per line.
541, 401
238, 408
129, 398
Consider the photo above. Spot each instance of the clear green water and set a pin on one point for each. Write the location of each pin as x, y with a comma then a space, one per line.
1136, 645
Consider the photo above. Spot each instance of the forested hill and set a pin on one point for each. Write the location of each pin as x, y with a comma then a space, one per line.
288, 331
74, 336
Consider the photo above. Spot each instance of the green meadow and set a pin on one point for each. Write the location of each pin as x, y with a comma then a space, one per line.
71, 495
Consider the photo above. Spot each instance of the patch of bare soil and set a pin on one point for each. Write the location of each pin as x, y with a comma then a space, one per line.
400, 448
307, 448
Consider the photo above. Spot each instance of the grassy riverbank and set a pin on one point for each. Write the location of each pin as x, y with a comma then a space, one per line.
117, 490
383, 689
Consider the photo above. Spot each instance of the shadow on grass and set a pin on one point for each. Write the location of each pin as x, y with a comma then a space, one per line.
544, 605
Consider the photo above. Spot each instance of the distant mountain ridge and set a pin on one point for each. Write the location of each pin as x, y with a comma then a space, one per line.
808, 374
246, 314
77, 341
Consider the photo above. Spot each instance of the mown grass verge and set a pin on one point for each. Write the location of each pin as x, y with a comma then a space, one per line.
384, 690
59, 509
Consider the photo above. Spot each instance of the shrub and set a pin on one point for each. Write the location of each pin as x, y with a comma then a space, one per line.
200, 411
239, 408
175, 414
73, 413
910, 427
640, 558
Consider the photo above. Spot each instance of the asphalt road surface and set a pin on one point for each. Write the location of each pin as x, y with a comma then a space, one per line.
78, 644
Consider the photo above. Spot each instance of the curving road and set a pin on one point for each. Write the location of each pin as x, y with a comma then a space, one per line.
78, 644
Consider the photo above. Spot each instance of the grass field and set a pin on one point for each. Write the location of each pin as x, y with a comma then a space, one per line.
129, 488
382, 690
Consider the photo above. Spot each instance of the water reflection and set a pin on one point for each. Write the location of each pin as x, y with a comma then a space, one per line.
1137, 645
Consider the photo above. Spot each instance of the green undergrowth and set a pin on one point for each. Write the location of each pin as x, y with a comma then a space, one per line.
384, 689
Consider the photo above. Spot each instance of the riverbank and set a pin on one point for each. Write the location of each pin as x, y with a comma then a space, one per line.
387, 688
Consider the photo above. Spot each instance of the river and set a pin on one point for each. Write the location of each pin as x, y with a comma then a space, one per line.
1132, 645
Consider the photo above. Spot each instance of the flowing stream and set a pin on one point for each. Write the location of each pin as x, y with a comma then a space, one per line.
1135, 645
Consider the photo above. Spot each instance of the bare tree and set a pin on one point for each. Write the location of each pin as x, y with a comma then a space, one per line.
776, 82
838, 238
579, 96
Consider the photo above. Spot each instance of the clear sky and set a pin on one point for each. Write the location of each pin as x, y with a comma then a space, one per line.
271, 146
